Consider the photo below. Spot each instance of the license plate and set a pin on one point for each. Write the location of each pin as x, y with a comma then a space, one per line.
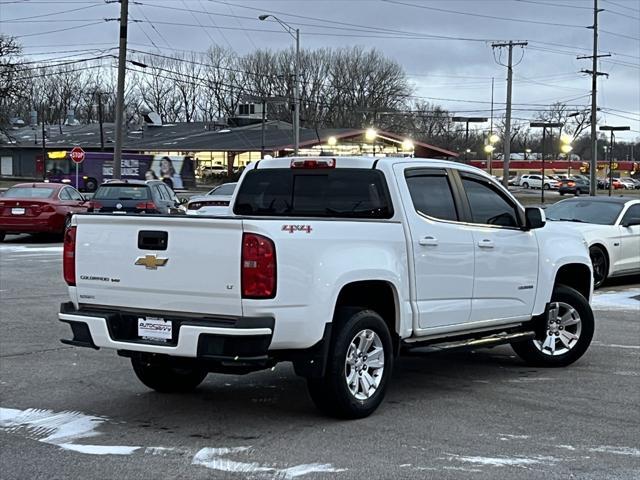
17, 211
154, 328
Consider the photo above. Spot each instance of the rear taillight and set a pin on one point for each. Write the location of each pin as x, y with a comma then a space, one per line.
194, 206
69, 256
146, 206
94, 206
572, 184
258, 266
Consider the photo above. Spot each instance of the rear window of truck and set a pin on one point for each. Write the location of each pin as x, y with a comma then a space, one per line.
341, 193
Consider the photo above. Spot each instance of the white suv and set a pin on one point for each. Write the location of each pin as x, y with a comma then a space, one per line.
535, 181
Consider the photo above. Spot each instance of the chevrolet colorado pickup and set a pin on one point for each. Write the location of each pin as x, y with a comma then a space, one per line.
336, 265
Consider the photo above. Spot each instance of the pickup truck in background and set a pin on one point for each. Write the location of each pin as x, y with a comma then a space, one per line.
336, 265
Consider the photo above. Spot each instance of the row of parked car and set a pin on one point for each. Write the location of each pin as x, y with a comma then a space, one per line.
580, 182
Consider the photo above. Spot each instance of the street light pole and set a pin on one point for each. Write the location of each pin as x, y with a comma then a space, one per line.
468, 120
544, 126
610, 151
295, 33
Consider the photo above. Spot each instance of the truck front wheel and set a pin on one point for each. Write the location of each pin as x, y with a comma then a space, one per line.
358, 366
166, 376
563, 333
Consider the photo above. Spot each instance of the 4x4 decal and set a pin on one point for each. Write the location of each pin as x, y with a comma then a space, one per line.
297, 228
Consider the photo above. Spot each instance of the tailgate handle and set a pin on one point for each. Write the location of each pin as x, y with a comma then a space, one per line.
152, 240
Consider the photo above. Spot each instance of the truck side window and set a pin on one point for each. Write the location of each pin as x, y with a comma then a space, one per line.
431, 196
487, 205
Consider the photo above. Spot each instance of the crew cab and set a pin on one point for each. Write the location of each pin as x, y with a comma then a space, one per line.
334, 264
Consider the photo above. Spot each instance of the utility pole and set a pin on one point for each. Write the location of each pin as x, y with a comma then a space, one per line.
593, 165
507, 120
100, 120
44, 149
122, 69
610, 150
296, 100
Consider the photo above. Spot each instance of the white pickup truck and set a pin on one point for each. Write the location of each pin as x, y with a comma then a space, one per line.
334, 264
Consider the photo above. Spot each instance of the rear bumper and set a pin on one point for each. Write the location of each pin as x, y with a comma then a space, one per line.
226, 339
27, 224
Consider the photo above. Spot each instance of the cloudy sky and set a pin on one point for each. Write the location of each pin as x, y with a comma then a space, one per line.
444, 45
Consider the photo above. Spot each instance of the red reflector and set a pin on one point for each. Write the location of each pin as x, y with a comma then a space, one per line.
258, 266
69, 256
323, 163
94, 206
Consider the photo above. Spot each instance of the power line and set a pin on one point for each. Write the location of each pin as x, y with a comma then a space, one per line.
623, 6
53, 13
75, 27
481, 15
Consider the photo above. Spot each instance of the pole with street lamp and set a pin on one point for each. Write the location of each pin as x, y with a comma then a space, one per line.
467, 121
295, 33
544, 126
608, 128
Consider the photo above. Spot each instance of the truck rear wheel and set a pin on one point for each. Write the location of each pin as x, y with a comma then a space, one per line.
166, 376
563, 334
358, 367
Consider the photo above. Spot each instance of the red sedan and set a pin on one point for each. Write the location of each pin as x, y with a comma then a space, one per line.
39, 208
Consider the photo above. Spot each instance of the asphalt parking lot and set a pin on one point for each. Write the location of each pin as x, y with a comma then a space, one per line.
74, 413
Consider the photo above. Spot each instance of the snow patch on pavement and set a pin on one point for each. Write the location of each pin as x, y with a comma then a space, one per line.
633, 452
59, 428
614, 300
503, 461
212, 458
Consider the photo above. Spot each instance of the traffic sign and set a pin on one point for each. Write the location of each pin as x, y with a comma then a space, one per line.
77, 154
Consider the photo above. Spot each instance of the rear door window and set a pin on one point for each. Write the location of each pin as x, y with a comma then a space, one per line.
431, 194
352, 193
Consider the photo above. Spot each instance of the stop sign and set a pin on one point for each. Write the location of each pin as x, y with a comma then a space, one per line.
77, 154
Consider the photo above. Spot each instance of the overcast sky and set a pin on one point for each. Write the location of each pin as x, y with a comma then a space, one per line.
454, 71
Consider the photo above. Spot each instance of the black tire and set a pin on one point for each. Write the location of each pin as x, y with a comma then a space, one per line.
166, 376
561, 194
2, 234
600, 264
91, 185
533, 354
547, 186
331, 393
525, 185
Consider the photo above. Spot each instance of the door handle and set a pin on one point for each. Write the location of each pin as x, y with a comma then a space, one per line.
428, 241
485, 243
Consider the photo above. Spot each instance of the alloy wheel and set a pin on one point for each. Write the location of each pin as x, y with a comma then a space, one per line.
562, 330
364, 364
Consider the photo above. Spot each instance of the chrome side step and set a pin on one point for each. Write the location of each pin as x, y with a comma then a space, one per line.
490, 341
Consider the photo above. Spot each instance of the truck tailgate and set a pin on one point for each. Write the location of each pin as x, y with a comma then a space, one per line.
121, 260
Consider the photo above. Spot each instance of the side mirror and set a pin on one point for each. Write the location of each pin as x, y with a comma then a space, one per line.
630, 222
534, 218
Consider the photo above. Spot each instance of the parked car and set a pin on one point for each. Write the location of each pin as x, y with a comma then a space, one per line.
574, 186
630, 183
335, 265
535, 181
215, 202
611, 227
39, 208
615, 185
135, 196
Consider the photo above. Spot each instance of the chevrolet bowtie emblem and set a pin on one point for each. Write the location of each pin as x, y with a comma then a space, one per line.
151, 262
